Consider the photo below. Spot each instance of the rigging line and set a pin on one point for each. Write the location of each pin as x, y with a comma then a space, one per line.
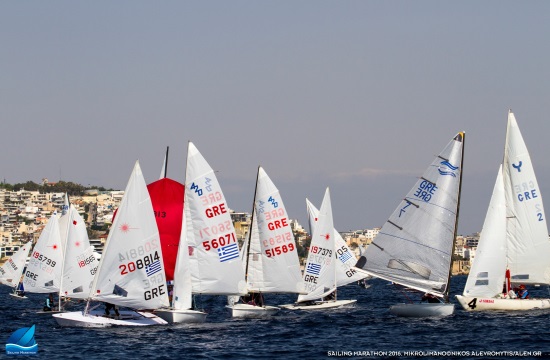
403, 292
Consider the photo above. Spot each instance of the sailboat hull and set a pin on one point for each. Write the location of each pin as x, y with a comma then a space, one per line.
96, 319
320, 305
18, 297
422, 310
247, 310
472, 303
188, 316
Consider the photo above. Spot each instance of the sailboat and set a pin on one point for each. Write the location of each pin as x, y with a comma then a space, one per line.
80, 263
514, 239
131, 272
167, 199
208, 255
270, 256
325, 266
62, 260
208, 261
43, 273
329, 263
415, 245
11, 271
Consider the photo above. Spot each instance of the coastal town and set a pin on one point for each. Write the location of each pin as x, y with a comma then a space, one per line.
24, 214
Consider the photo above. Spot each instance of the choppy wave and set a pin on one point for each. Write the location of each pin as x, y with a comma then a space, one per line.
367, 327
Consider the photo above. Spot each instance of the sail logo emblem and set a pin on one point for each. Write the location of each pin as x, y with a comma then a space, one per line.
153, 268
518, 166
314, 269
21, 342
228, 252
345, 257
447, 169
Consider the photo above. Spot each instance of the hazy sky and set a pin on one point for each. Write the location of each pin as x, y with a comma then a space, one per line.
355, 95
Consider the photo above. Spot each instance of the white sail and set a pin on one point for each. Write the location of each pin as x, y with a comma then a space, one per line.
415, 245
213, 248
345, 271
131, 271
65, 207
80, 264
320, 270
11, 271
43, 274
488, 270
182, 296
526, 230
273, 264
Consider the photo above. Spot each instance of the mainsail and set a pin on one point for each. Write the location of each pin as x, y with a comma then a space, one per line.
210, 237
345, 272
11, 271
167, 199
526, 229
43, 273
131, 271
488, 269
79, 264
272, 258
415, 245
320, 270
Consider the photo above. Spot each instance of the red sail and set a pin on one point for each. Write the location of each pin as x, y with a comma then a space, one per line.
167, 198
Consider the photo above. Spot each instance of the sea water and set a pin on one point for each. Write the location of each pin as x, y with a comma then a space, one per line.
367, 330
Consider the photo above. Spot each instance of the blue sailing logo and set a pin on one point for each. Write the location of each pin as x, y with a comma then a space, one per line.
22, 342
518, 166
449, 169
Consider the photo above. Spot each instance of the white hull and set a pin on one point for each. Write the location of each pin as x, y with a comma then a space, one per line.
247, 310
18, 297
481, 304
172, 316
422, 310
320, 305
96, 319
42, 312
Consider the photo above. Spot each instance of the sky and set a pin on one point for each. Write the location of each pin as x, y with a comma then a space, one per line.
358, 96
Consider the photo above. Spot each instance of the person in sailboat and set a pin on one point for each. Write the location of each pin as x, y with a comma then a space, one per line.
109, 307
430, 298
522, 292
20, 289
48, 304
170, 293
330, 297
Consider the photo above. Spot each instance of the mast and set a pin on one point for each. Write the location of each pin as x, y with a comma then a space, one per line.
251, 223
460, 137
68, 214
166, 162
508, 218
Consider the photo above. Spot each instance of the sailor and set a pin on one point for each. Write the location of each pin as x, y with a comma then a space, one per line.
48, 304
523, 293
109, 306
430, 298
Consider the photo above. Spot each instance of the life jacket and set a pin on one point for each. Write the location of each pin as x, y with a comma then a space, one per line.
523, 294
